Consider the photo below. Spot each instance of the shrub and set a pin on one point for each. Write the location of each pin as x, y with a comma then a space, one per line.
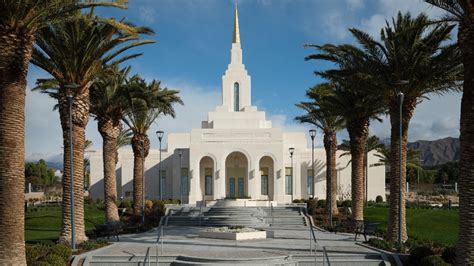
54, 260
449, 254
126, 203
35, 252
378, 199
38, 263
148, 205
432, 260
61, 250
347, 203
298, 201
312, 204
158, 204
418, 253
380, 243
321, 203
99, 201
88, 200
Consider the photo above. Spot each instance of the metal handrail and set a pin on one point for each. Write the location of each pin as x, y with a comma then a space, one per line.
325, 255
312, 237
271, 210
159, 237
147, 257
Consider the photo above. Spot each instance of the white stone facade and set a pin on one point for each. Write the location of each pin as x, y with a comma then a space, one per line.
235, 154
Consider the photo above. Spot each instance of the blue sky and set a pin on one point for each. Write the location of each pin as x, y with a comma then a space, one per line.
193, 50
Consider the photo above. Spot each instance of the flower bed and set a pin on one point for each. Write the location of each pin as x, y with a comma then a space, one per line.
234, 233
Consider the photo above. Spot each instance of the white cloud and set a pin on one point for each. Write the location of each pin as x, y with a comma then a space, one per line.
147, 14
373, 25
355, 4
198, 101
335, 25
433, 119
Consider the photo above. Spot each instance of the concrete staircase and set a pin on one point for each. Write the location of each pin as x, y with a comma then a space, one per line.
217, 216
235, 216
284, 216
336, 259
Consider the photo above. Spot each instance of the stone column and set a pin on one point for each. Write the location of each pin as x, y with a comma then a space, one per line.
195, 193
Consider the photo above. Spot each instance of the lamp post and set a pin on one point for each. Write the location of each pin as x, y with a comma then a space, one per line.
312, 134
70, 101
142, 153
400, 199
180, 153
160, 134
291, 150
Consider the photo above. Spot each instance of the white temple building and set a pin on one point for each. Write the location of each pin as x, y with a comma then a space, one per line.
235, 154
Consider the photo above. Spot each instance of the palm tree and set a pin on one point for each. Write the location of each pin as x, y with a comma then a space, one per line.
19, 20
324, 118
74, 53
351, 99
462, 12
384, 153
373, 143
412, 51
108, 107
147, 102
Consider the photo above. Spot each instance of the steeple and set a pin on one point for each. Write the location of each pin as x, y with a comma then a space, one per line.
236, 36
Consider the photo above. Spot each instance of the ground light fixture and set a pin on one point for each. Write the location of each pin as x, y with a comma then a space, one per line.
160, 135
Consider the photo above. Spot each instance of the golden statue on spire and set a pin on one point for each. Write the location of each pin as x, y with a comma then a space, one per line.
236, 35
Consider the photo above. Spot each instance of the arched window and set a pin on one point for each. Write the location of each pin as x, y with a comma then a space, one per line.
236, 97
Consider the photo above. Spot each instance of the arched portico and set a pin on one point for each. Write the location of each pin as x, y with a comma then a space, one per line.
236, 180
267, 177
206, 177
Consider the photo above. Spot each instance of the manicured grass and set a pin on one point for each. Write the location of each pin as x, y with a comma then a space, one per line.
438, 225
45, 223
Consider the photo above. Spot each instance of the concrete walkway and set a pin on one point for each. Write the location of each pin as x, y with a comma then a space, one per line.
179, 240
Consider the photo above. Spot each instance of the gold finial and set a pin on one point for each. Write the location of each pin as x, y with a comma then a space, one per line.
236, 36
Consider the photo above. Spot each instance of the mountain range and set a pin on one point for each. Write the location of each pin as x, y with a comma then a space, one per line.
437, 152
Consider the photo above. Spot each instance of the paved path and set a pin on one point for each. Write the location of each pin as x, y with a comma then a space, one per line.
179, 240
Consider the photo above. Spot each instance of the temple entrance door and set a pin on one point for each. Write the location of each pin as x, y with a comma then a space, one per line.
237, 178
236, 183
232, 187
241, 192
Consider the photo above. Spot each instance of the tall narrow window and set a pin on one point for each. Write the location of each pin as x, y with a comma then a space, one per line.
208, 181
310, 181
264, 181
236, 97
184, 181
288, 181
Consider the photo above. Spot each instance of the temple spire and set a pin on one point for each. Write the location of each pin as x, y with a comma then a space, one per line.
236, 35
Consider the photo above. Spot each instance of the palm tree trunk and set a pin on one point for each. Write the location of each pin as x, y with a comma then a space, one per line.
110, 132
358, 133
394, 212
80, 117
330, 145
465, 248
141, 147
15, 54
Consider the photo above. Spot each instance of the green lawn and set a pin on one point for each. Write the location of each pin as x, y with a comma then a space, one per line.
45, 223
438, 225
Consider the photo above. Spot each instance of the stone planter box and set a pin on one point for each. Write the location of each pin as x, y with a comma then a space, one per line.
234, 236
